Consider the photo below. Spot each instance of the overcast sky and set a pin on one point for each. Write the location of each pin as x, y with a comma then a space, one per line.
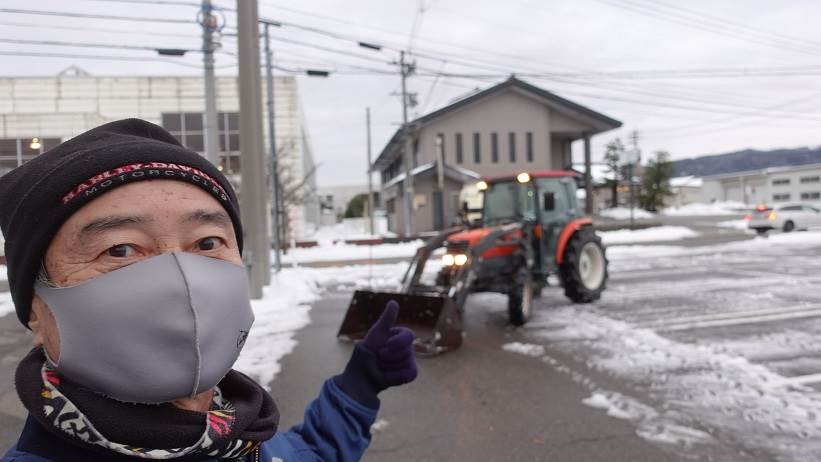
681, 83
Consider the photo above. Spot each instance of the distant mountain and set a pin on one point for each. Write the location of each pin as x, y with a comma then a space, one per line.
749, 159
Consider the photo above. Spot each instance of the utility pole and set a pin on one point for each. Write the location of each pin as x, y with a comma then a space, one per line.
252, 192
368, 171
272, 143
209, 26
408, 149
588, 177
635, 158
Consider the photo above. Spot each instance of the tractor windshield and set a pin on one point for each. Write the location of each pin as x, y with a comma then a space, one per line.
508, 202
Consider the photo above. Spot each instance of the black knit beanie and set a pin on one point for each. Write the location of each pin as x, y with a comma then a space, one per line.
39, 196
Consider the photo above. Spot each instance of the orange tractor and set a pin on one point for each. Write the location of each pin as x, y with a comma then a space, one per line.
531, 227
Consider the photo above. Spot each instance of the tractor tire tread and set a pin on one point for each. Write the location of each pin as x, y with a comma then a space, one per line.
574, 288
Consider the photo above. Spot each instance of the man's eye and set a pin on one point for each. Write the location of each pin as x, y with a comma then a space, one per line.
121, 251
209, 243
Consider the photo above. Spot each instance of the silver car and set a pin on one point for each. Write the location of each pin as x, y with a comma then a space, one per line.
784, 217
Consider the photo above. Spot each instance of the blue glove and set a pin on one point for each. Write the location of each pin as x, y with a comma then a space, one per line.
384, 358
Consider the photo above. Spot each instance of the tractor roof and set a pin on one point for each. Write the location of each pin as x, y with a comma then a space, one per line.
541, 174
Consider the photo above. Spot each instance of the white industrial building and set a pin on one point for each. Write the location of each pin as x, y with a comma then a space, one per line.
37, 113
768, 186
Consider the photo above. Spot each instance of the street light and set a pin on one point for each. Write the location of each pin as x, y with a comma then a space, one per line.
35, 144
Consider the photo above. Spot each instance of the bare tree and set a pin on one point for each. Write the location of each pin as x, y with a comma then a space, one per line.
293, 187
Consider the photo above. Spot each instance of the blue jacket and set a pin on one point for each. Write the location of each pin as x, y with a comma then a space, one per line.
335, 428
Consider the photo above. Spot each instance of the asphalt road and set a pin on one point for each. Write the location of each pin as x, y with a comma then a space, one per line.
477, 403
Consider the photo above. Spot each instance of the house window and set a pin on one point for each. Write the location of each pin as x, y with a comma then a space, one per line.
511, 138
459, 153
810, 196
529, 146
17, 151
810, 179
494, 147
781, 181
477, 148
781, 197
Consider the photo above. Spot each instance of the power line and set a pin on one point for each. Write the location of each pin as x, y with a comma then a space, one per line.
96, 16
724, 22
97, 29
658, 13
154, 2
87, 45
100, 57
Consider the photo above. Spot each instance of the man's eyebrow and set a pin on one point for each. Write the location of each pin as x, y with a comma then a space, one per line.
112, 222
213, 217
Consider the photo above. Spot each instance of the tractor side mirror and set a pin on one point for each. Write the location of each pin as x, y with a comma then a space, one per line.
549, 201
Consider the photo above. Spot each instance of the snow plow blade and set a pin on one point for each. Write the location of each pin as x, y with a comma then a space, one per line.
435, 320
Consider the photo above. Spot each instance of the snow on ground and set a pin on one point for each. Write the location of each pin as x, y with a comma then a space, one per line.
6, 305
733, 224
3, 273
738, 398
623, 213
713, 209
655, 234
527, 349
351, 228
342, 252
284, 310
727, 387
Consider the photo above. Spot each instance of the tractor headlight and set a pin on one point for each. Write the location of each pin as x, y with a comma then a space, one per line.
458, 259
523, 177
481, 186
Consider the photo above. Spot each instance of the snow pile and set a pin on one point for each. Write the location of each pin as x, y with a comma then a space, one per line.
714, 209
651, 424
686, 182
3, 274
623, 213
281, 312
6, 305
527, 349
284, 308
655, 234
350, 252
733, 224
351, 228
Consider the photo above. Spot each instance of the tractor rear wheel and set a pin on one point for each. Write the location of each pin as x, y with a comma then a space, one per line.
520, 298
584, 270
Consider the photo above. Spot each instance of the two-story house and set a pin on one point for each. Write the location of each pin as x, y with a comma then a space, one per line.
510, 128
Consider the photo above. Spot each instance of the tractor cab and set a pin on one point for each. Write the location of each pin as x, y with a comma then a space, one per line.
545, 202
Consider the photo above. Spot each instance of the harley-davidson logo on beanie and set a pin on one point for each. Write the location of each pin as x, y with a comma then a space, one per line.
39, 196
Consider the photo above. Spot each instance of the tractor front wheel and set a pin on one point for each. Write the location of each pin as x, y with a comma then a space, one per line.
520, 298
584, 269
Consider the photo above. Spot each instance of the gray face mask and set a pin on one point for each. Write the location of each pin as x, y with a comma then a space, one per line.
165, 328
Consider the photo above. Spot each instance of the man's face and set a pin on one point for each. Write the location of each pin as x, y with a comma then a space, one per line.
126, 225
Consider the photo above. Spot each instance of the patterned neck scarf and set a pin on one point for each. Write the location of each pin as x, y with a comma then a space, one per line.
242, 416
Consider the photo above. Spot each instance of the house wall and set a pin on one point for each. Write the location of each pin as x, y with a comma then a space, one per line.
501, 114
423, 190
801, 184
